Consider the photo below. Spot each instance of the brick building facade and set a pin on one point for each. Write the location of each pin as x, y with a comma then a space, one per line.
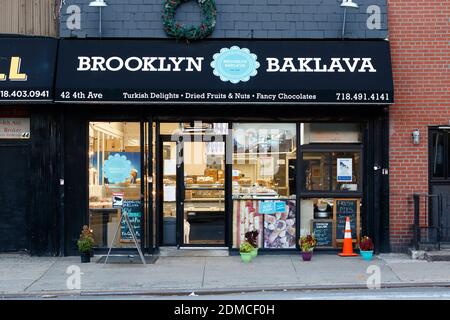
419, 34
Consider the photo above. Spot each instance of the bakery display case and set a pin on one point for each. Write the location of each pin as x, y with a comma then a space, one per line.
205, 193
248, 182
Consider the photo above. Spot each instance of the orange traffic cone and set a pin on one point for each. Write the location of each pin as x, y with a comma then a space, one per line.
347, 249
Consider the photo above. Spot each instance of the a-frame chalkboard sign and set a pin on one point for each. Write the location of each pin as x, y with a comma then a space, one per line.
343, 208
124, 218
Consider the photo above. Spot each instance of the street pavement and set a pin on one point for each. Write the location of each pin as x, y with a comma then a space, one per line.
25, 276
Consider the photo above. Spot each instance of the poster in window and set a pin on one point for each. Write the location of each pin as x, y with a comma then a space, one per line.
344, 169
169, 193
279, 228
246, 217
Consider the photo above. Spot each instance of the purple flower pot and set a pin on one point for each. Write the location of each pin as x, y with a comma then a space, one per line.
307, 255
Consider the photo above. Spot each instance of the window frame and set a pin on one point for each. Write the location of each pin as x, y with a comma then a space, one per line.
431, 149
295, 131
329, 148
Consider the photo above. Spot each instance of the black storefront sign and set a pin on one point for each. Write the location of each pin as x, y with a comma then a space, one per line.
27, 68
215, 71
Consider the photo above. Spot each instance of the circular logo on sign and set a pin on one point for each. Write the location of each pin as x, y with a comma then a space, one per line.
235, 64
117, 168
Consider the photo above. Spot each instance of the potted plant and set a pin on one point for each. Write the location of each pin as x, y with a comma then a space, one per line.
246, 251
252, 238
85, 244
366, 248
307, 245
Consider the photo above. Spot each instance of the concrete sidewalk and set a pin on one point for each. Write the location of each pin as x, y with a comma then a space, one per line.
25, 275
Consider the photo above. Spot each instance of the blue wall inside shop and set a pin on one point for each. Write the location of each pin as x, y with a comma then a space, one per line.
247, 19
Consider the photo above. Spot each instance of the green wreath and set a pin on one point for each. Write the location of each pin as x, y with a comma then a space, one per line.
179, 31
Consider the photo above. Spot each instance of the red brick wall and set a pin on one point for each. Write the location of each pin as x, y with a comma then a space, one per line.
419, 36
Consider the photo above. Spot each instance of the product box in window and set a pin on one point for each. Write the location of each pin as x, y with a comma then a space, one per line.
205, 180
189, 180
245, 181
211, 173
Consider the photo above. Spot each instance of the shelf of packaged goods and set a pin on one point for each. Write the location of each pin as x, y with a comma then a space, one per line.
204, 200
208, 209
262, 198
219, 187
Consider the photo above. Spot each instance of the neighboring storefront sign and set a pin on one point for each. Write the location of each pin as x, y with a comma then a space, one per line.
344, 169
241, 71
27, 68
14, 128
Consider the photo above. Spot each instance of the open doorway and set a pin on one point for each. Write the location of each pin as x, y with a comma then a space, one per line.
193, 184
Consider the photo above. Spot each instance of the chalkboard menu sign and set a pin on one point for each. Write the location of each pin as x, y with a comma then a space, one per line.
133, 209
323, 230
342, 209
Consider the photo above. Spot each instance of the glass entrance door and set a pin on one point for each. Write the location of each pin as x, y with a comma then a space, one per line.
191, 184
202, 191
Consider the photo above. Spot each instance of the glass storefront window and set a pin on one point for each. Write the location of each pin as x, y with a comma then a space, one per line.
330, 133
114, 181
316, 166
264, 156
264, 160
319, 216
332, 171
438, 154
345, 173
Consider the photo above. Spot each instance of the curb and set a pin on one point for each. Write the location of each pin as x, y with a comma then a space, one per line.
215, 291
